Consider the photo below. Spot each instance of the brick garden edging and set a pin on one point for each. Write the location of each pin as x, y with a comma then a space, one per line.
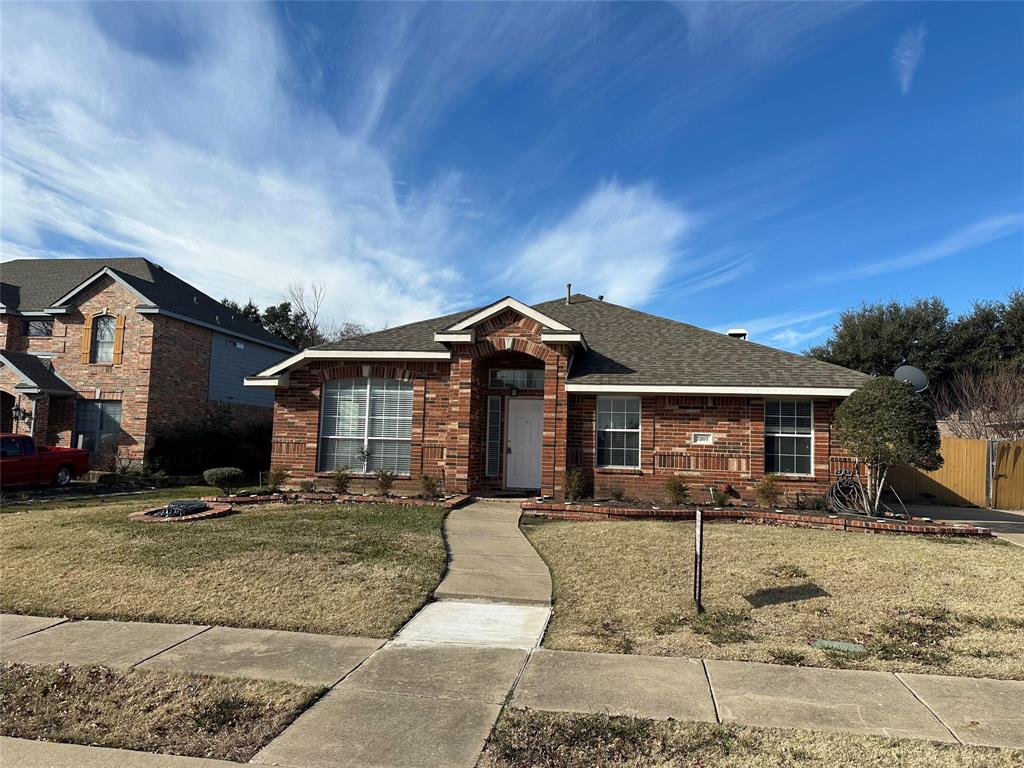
587, 512
333, 498
215, 510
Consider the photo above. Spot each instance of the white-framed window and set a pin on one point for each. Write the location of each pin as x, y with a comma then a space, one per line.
520, 378
366, 425
618, 432
97, 425
788, 436
104, 328
493, 468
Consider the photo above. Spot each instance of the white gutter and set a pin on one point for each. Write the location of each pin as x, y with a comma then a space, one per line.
669, 389
349, 354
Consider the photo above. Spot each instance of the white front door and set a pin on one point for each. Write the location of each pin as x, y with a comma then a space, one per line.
525, 431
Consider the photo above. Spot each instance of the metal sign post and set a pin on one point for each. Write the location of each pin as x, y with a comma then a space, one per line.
698, 561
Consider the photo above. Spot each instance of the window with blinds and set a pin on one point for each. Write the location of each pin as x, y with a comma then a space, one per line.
366, 425
493, 435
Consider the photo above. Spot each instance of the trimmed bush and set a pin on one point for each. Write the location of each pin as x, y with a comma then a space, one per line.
719, 498
341, 478
575, 485
618, 493
430, 488
276, 478
307, 486
678, 490
384, 480
768, 491
226, 478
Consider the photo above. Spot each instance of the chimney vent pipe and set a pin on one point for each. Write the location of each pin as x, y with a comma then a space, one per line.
568, 293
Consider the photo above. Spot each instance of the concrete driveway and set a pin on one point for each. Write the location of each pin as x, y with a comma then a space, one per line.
1004, 524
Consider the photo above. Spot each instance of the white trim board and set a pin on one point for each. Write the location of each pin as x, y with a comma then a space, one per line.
671, 389
349, 354
508, 303
105, 272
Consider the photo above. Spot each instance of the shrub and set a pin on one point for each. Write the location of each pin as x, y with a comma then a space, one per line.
384, 481
225, 478
189, 448
719, 498
341, 478
678, 490
768, 491
618, 493
307, 486
575, 485
430, 488
276, 478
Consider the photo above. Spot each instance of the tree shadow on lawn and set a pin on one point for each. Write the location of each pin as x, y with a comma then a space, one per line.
789, 594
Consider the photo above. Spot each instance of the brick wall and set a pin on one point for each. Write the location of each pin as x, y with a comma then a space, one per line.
667, 424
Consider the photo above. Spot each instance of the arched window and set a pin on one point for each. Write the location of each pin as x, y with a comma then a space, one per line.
103, 330
365, 425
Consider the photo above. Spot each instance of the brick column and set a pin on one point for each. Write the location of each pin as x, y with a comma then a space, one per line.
556, 424
460, 399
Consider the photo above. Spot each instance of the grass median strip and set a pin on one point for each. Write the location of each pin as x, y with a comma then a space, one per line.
348, 569
193, 715
527, 738
916, 604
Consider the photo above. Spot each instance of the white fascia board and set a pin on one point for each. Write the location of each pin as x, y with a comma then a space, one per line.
48, 312
351, 354
509, 303
105, 272
266, 381
460, 337
658, 389
151, 310
564, 338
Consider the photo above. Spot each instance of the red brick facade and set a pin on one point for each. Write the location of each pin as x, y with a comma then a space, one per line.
450, 423
161, 379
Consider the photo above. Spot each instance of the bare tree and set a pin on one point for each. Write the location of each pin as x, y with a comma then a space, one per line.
307, 304
985, 405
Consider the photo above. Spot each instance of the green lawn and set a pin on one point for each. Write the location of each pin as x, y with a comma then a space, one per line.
229, 719
950, 606
525, 738
356, 569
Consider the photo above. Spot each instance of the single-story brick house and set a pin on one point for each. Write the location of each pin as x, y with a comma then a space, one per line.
511, 396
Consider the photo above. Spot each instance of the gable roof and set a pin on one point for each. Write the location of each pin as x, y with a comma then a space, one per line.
35, 285
627, 350
35, 372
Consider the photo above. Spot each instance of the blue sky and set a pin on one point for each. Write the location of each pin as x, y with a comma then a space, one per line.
762, 165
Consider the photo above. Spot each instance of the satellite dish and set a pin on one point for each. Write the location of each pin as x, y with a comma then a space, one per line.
915, 377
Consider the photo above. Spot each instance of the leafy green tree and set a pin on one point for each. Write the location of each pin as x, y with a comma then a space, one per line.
885, 423
878, 338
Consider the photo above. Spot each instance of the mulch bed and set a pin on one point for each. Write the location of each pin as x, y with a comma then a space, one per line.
215, 510
584, 512
453, 502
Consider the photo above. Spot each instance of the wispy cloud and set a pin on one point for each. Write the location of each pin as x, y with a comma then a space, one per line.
618, 242
207, 165
907, 55
788, 330
980, 233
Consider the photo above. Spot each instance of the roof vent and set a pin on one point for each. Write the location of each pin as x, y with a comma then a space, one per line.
195, 299
600, 297
568, 293
737, 333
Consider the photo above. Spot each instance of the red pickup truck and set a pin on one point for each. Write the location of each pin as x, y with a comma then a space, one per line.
22, 463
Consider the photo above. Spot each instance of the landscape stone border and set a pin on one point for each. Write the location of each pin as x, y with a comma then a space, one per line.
215, 510
585, 512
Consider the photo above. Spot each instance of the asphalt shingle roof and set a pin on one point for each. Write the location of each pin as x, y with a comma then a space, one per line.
38, 371
35, 284
630, 347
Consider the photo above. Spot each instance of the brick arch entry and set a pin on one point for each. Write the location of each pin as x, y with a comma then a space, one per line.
6, 406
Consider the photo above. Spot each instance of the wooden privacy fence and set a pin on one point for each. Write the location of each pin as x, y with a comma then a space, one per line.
980, 473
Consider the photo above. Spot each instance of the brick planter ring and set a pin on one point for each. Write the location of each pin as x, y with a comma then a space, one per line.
215, 510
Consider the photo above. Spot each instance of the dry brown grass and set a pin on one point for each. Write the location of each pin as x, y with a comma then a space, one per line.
355, 569
951, 606
229, 719
524, 738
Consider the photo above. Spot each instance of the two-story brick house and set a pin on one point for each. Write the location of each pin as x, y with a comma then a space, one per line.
107, 353
511, 396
